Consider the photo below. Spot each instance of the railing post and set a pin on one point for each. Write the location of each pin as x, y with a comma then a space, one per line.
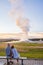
22, 61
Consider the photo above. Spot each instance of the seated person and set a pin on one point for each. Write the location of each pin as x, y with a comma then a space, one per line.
15, 53
8, 48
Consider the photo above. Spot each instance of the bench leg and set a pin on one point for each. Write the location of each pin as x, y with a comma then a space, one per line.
22, 62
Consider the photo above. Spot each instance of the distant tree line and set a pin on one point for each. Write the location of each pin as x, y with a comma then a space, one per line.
36, 39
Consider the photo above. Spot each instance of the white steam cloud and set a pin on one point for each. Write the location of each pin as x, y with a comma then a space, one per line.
23, 23
17, 13
16, 8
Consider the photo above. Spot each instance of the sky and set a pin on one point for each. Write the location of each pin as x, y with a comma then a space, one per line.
33, 10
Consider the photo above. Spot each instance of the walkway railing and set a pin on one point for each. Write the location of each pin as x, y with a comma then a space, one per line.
24, 61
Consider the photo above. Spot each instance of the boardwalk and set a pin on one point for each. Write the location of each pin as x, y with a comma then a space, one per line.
25, 62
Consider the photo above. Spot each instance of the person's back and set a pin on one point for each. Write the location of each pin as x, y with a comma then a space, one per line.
15, 53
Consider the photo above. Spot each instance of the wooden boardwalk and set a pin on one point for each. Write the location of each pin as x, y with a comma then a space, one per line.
22, 61
29, 62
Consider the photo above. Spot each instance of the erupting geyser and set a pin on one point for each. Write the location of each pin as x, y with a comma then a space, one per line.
17, 14
23, 23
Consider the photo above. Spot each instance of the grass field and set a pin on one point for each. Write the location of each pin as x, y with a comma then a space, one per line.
29, 50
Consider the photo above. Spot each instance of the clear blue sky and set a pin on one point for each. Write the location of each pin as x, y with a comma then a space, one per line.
33, 11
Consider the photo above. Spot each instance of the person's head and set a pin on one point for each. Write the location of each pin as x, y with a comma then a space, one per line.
8, 45
12, 47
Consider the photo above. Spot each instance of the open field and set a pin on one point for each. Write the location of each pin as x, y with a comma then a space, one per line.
26, 49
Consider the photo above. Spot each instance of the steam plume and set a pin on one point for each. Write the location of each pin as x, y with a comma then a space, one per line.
16, 8
17, 12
